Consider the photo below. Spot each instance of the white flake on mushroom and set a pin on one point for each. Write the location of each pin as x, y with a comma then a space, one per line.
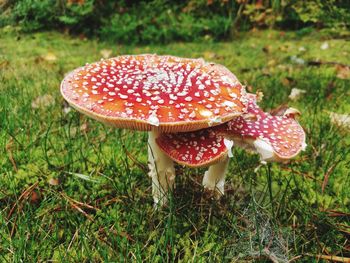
153, 119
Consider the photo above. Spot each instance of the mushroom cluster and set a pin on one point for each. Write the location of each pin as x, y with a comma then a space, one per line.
193, 110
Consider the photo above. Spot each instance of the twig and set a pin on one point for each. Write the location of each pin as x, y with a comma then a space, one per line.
12, 160
326, 176
73, 238
319, 63
332, 258
295, 258
24, 195
79, 203
142, 166
75, 204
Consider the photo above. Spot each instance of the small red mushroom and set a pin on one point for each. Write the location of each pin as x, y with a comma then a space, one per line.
199, 149
275, 138
157, 94
194, 149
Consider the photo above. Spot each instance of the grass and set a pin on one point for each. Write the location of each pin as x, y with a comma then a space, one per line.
74, 190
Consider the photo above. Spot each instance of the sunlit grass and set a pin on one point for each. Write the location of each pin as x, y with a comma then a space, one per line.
50, 212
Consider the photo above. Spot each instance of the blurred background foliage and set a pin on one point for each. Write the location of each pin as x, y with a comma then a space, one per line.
162, 21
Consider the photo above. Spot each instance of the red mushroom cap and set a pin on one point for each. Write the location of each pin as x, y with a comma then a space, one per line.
281, 136
194, 149
145, 92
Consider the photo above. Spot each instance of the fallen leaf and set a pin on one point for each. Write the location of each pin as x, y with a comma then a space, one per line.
106, 53
272, 63
209, 55
296, 93
82, 36
329, 90
267, 49
71, 2
43, 101
53, 181
288, 81
50, 57
84, 127
284, 48
343, 72
297, 60
249, 88
259, 4
324, 46
341, 120
259, 95
254, 30
34, 197
4, 64
266, 72
286, 68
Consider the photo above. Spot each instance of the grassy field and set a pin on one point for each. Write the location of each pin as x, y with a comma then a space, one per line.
74, 190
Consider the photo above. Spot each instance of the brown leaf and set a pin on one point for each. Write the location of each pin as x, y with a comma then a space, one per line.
288, 81
34, 197
209, 55
4, 64
259, 4
53, 181
82, 37
84, 127
266, 72
285, 48
329, 90
106, 53
341, 120
330, 258
259, 95
50, 57
79, 2
249, 88
272, 63
343, 72
267, 49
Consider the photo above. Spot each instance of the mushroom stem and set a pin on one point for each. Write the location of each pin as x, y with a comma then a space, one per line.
161, 170
214, 178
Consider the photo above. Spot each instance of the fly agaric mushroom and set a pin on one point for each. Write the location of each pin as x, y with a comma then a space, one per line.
156, 94
199, 149
275, 138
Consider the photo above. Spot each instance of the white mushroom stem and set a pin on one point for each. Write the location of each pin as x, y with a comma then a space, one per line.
214, 178
162, 170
